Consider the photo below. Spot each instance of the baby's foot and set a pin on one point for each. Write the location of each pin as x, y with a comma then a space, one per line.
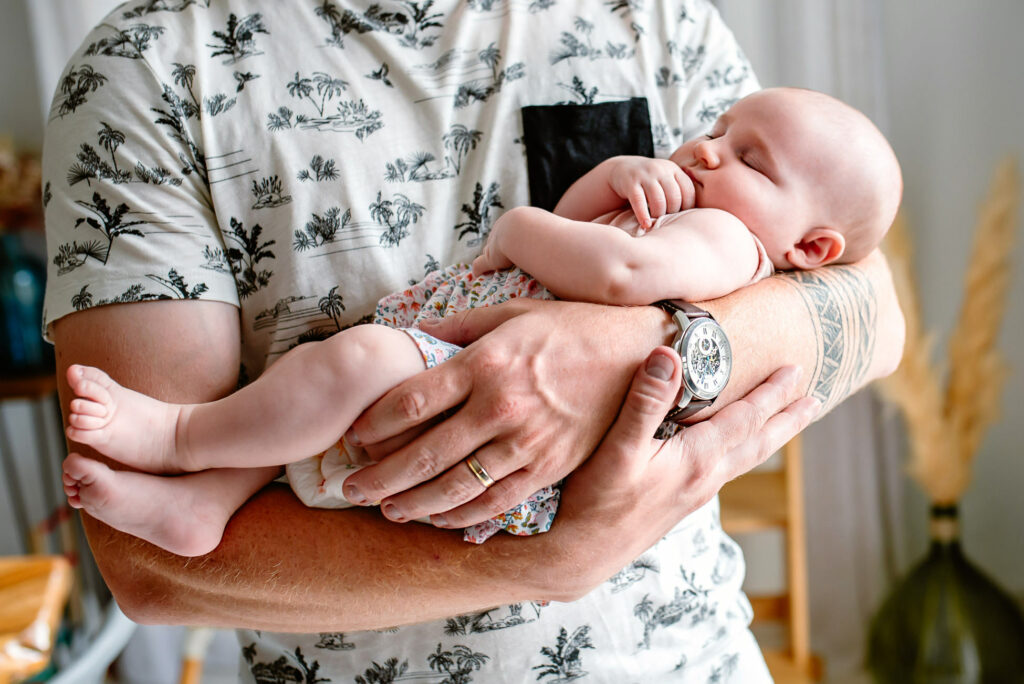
162, 510
127, 426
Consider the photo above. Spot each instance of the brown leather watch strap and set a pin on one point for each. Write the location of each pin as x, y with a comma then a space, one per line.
674, 418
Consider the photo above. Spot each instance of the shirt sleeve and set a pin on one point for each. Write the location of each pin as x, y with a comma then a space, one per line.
127, 203
715, 67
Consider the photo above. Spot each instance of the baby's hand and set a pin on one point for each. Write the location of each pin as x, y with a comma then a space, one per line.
492, 259
653, 188
486, 263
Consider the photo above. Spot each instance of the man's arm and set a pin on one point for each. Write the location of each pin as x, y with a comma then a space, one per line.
534, 392
281, 565
286, 567
851, 330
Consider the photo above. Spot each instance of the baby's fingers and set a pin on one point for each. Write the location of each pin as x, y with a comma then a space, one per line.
655, 198
638, 202
673, 195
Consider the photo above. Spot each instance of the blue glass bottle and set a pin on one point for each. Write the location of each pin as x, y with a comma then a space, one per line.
23, 351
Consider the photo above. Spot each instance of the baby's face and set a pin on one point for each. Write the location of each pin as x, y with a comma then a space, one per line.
760, 163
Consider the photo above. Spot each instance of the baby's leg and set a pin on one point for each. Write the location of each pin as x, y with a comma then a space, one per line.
183, 514
297, 408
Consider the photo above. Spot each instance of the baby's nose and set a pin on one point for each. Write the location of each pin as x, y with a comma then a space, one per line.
705, 153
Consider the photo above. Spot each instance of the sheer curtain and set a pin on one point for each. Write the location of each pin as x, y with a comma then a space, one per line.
853, 456
58, 27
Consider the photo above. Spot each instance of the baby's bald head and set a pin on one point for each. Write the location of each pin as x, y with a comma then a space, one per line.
860, 187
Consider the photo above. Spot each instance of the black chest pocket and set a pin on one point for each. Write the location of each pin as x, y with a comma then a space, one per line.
563, 142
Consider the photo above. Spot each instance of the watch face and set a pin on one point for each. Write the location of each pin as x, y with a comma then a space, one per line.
707, 359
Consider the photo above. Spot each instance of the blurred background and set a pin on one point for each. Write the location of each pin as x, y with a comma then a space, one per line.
941, 79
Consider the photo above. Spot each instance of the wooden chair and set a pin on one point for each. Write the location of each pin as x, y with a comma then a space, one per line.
33, 591
773, 499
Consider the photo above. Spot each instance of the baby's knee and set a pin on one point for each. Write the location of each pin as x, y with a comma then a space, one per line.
362, 348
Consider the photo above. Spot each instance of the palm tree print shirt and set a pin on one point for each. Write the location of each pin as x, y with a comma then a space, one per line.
302, 159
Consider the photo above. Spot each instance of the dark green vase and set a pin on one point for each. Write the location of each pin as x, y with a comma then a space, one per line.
946, 622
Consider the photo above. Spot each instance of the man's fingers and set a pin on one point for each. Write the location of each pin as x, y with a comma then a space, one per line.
377, 452
777, 430
422, 460
739, 421
654, 389
503, 495
415, 401
459, 485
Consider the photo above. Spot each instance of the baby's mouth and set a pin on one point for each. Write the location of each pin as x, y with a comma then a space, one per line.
689, 172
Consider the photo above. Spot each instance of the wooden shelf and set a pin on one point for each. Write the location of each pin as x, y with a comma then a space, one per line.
28, 387
785, 671
754, 502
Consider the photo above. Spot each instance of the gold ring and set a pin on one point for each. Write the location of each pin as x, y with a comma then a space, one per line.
478, 470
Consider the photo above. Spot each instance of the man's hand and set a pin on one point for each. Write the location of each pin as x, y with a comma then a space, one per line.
653, 187
634, 489
532, 399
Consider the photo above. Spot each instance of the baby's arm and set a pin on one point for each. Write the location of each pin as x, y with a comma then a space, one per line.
652, 187
699, 255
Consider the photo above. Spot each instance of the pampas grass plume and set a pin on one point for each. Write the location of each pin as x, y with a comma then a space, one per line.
945, 428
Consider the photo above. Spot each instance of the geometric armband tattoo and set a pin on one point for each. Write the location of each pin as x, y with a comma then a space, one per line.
843, 308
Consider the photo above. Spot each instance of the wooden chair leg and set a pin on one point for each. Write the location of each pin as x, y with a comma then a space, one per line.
197, 641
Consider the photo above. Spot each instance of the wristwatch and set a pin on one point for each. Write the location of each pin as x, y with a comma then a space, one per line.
707, 361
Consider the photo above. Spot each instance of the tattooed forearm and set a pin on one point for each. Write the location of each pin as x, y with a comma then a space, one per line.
843, 307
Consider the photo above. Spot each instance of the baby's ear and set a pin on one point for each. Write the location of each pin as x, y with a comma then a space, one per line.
818, 247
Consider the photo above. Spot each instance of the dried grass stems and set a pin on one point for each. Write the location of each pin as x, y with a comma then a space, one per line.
945, 428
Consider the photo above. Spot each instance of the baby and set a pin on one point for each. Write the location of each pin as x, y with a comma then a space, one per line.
787, 179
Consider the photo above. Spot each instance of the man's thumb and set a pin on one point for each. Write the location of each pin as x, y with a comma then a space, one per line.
652, 394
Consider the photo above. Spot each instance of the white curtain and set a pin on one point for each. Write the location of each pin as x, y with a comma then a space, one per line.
853, 457
58, 27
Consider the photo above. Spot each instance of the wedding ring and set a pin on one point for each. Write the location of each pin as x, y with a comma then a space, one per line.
478, 470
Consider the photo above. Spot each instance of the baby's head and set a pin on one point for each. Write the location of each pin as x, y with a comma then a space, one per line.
810, 176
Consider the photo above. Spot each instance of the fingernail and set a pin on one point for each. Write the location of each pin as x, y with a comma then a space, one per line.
790, 374
658, 366
391, 512
353, 494
439, 520
352, 438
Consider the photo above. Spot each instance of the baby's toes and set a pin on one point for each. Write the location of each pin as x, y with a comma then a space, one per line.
84, 427
80, 469
84, 421
90, 382
88, 407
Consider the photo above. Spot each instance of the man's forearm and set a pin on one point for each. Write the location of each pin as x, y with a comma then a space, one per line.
284, 567
841, 324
